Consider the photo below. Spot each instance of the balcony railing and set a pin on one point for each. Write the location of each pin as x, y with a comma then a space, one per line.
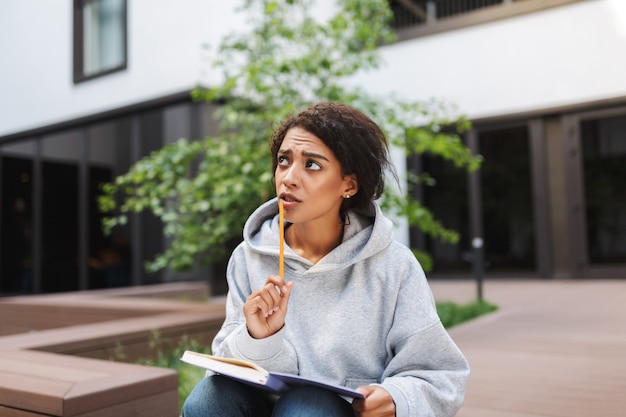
408, 13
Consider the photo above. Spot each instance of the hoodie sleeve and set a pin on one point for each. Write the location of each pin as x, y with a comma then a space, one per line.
273, 353
427, 373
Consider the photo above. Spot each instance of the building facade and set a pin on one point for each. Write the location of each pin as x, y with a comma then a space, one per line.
543, 85
90, 86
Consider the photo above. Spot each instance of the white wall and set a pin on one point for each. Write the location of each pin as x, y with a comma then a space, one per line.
165, 57
560, 56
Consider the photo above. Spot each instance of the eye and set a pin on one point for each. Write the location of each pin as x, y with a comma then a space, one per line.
312, 165
283, 161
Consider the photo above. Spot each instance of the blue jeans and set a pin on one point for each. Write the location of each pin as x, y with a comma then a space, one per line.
217, 396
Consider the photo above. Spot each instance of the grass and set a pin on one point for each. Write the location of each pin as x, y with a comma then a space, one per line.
188, 375
451, 314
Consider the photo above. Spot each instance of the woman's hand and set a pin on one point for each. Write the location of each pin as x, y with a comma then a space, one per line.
265, 309
377, 403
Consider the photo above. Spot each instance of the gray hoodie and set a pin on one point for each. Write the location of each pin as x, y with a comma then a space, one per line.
363, 314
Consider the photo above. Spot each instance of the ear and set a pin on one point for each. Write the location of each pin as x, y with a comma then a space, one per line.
351, 186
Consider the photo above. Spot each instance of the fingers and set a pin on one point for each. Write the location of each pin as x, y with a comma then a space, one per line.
366, 390
269, 299
377, 402
358, 404
286, 293
273, 295
265, 309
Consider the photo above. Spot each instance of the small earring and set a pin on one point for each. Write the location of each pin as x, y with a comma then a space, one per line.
347, 196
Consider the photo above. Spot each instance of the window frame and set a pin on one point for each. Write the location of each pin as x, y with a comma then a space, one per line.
78, 43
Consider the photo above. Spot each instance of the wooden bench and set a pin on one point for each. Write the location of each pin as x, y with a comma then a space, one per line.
54, 365
47, 384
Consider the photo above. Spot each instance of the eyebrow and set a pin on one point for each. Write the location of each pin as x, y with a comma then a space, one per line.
307, 154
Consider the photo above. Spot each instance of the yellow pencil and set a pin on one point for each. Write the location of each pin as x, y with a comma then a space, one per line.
281, 225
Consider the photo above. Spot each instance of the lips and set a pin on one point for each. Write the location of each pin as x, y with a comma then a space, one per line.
288, 198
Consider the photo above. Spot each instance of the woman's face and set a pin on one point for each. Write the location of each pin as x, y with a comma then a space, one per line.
309, 179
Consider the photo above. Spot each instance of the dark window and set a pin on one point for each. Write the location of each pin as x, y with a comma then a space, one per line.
507, 200
604, 163
445, 193
109, 152
16, 223
100, 37
59, 234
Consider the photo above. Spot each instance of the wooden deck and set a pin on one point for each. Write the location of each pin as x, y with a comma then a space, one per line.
554, 348
51, 348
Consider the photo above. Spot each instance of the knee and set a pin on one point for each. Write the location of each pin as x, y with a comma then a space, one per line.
219, 396
197, 402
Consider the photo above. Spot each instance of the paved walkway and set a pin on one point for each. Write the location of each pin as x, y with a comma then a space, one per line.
554, 348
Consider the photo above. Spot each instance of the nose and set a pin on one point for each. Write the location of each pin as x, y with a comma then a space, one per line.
291, 176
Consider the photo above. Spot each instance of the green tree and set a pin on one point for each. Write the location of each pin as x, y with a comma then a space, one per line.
203, 190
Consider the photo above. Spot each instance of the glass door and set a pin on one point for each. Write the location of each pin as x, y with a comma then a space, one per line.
596, 172
507, 200
603, 144
16, 223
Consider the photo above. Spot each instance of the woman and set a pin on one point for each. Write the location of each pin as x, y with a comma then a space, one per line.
354, 308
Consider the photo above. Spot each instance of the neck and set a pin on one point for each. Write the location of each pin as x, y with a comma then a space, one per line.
313, 242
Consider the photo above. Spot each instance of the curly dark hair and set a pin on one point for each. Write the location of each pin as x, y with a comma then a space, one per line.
357, 142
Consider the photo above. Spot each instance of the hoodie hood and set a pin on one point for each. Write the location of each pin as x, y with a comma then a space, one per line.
365, 235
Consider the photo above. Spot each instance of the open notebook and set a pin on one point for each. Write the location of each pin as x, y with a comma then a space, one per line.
251, 373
